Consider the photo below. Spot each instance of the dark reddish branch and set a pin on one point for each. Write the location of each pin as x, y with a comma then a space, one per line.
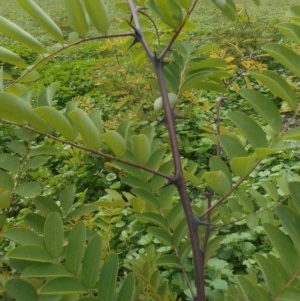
178, 178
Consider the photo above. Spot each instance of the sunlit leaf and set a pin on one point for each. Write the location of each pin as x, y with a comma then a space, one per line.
41, 18
15, 32
242, 166
12, 58
141, 148
86, 128
116, 142
77, 16
56, 120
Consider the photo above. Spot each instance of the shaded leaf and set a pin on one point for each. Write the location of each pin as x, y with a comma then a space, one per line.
45, 270
67, 197
264, 107
91, 262
9, 162
249, 128
108, 278
127, 291
46, 205
54, 234
75, 249
63, 286
21, 290
227, 7
29, 189
285, 56
24, 237
30, 253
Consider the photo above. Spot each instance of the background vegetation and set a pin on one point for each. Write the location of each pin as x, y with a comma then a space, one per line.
99, 207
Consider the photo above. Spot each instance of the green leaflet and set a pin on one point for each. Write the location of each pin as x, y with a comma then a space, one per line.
10, 162
63, 286
56, 120
127, 291
98, 15
86, 127
217, 181
141, 148
91, 262
30, 253
227, 7
15, 109
162, 234
284, 247
54, 234
169, 260
289, 294
29, 189
41, 18
290, 220
15, 32
294, 12
249, 128
24, 237
232, 146
264, 106
116, 142
252, 292
275, 283
153, 218
242, 166
45, 270
169, 12
216, 163
76, 16
294, 188
277, 85
46, 97
75, 249
21, 290
12, 58
285, 56
46, 205
108, 278
291, 30
35, 221
67, 197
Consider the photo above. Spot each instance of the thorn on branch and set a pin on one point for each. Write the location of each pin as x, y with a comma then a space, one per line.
137, 35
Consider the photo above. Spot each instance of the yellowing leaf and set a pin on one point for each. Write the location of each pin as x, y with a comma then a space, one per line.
217, 181
241, 166
141, 148
116, 142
